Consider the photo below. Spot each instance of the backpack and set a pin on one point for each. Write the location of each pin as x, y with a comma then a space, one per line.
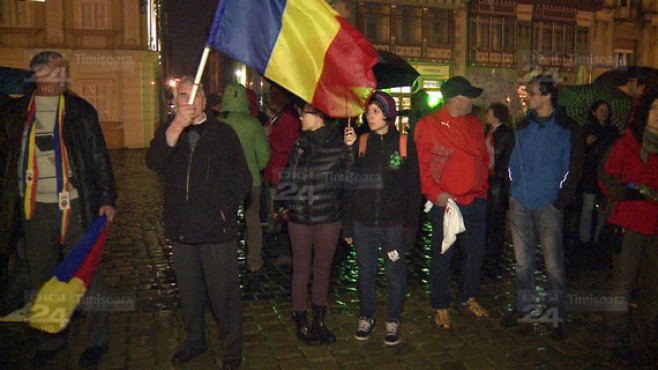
403, 145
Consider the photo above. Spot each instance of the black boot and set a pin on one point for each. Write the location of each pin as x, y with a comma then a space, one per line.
319, 328
303, 332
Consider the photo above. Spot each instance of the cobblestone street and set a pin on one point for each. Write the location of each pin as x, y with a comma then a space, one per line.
138, 264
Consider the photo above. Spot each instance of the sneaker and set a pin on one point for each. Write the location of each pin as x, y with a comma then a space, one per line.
365, 328
510, 320
472, 306
442, 318
393, 336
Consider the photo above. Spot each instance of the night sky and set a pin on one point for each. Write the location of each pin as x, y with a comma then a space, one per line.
187, 30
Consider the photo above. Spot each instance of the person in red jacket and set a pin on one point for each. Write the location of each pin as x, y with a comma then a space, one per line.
453, 163
629, 179
282, 129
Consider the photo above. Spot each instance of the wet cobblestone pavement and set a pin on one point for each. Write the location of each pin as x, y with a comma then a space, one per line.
138, 264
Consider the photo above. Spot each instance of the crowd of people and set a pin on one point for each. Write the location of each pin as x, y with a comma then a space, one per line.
366, 188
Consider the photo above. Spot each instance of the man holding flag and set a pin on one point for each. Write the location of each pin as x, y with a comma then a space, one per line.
58, 179
206, 178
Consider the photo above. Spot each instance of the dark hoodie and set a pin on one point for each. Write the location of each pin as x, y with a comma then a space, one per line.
385, 189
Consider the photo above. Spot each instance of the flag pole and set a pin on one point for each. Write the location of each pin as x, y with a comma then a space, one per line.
199, 74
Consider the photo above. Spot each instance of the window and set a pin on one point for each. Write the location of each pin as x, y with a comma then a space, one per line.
555, 38
93, 14
96, 93
408, 25
439, 27
13, 13
623, 58
493, 33
377, 23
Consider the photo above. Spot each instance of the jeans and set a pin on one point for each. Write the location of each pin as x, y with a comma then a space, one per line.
317, 243
367, 241
210, 271
526, 224
635, 264
472, 243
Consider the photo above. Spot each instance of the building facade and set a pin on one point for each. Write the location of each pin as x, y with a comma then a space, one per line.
113, 53
509, 40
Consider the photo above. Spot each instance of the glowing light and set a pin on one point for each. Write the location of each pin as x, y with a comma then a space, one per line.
172, 82
434, 98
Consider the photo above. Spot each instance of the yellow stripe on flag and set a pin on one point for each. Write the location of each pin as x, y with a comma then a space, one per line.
308, 28
54, 304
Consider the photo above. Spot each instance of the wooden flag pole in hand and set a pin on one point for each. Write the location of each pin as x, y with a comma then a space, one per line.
199, 74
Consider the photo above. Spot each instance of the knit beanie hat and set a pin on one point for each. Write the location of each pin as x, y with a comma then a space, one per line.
387, 104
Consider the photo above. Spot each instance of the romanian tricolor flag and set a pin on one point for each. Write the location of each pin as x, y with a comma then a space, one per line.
57, 299
304, 46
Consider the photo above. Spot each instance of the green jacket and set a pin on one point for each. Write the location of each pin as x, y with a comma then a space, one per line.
235, 112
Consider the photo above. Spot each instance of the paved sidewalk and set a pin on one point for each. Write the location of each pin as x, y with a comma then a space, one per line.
138, 265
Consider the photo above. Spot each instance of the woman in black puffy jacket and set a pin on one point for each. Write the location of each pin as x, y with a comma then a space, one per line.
312, 189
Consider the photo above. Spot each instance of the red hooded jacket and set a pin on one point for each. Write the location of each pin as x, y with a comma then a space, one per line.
625, 165
286, 128
451, 156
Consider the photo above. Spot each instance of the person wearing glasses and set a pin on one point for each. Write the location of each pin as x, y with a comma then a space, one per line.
544, 169
311, 189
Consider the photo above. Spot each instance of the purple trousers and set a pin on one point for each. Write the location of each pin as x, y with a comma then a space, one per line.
315, 243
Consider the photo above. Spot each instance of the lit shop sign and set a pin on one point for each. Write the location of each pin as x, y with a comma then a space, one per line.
442, 72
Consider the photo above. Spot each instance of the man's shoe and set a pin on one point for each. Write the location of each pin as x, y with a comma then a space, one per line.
365, 328
510, 320
559, 332
42, 357
232, 362
92, 355
442, 318
473, 307
186, 354
393, 336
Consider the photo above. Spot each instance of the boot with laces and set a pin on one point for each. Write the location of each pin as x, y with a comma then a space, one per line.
442, 318
473, 307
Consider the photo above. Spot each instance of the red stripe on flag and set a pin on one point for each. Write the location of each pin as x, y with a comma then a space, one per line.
89, 265
347, 67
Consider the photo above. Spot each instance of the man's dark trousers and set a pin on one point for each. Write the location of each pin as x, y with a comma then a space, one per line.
212, 268
472, 245
41, 234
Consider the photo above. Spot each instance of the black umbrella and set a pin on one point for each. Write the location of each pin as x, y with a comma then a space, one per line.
619, 76
393, 71
15, 81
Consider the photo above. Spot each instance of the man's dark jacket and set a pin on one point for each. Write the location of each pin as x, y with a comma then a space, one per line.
204, 185
385, 190
576, 157
87, 154
503, 141
313, 180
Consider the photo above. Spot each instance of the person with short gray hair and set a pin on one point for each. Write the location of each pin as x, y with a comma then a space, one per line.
206, 178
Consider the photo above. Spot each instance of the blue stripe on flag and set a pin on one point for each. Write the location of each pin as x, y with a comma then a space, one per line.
247, 30
73, 260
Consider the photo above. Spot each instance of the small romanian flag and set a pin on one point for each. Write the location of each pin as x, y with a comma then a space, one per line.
304, 46
57, 299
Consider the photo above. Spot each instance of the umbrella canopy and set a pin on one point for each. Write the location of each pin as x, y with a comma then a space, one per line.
393, 71
579, 99
15, 81
619, 76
